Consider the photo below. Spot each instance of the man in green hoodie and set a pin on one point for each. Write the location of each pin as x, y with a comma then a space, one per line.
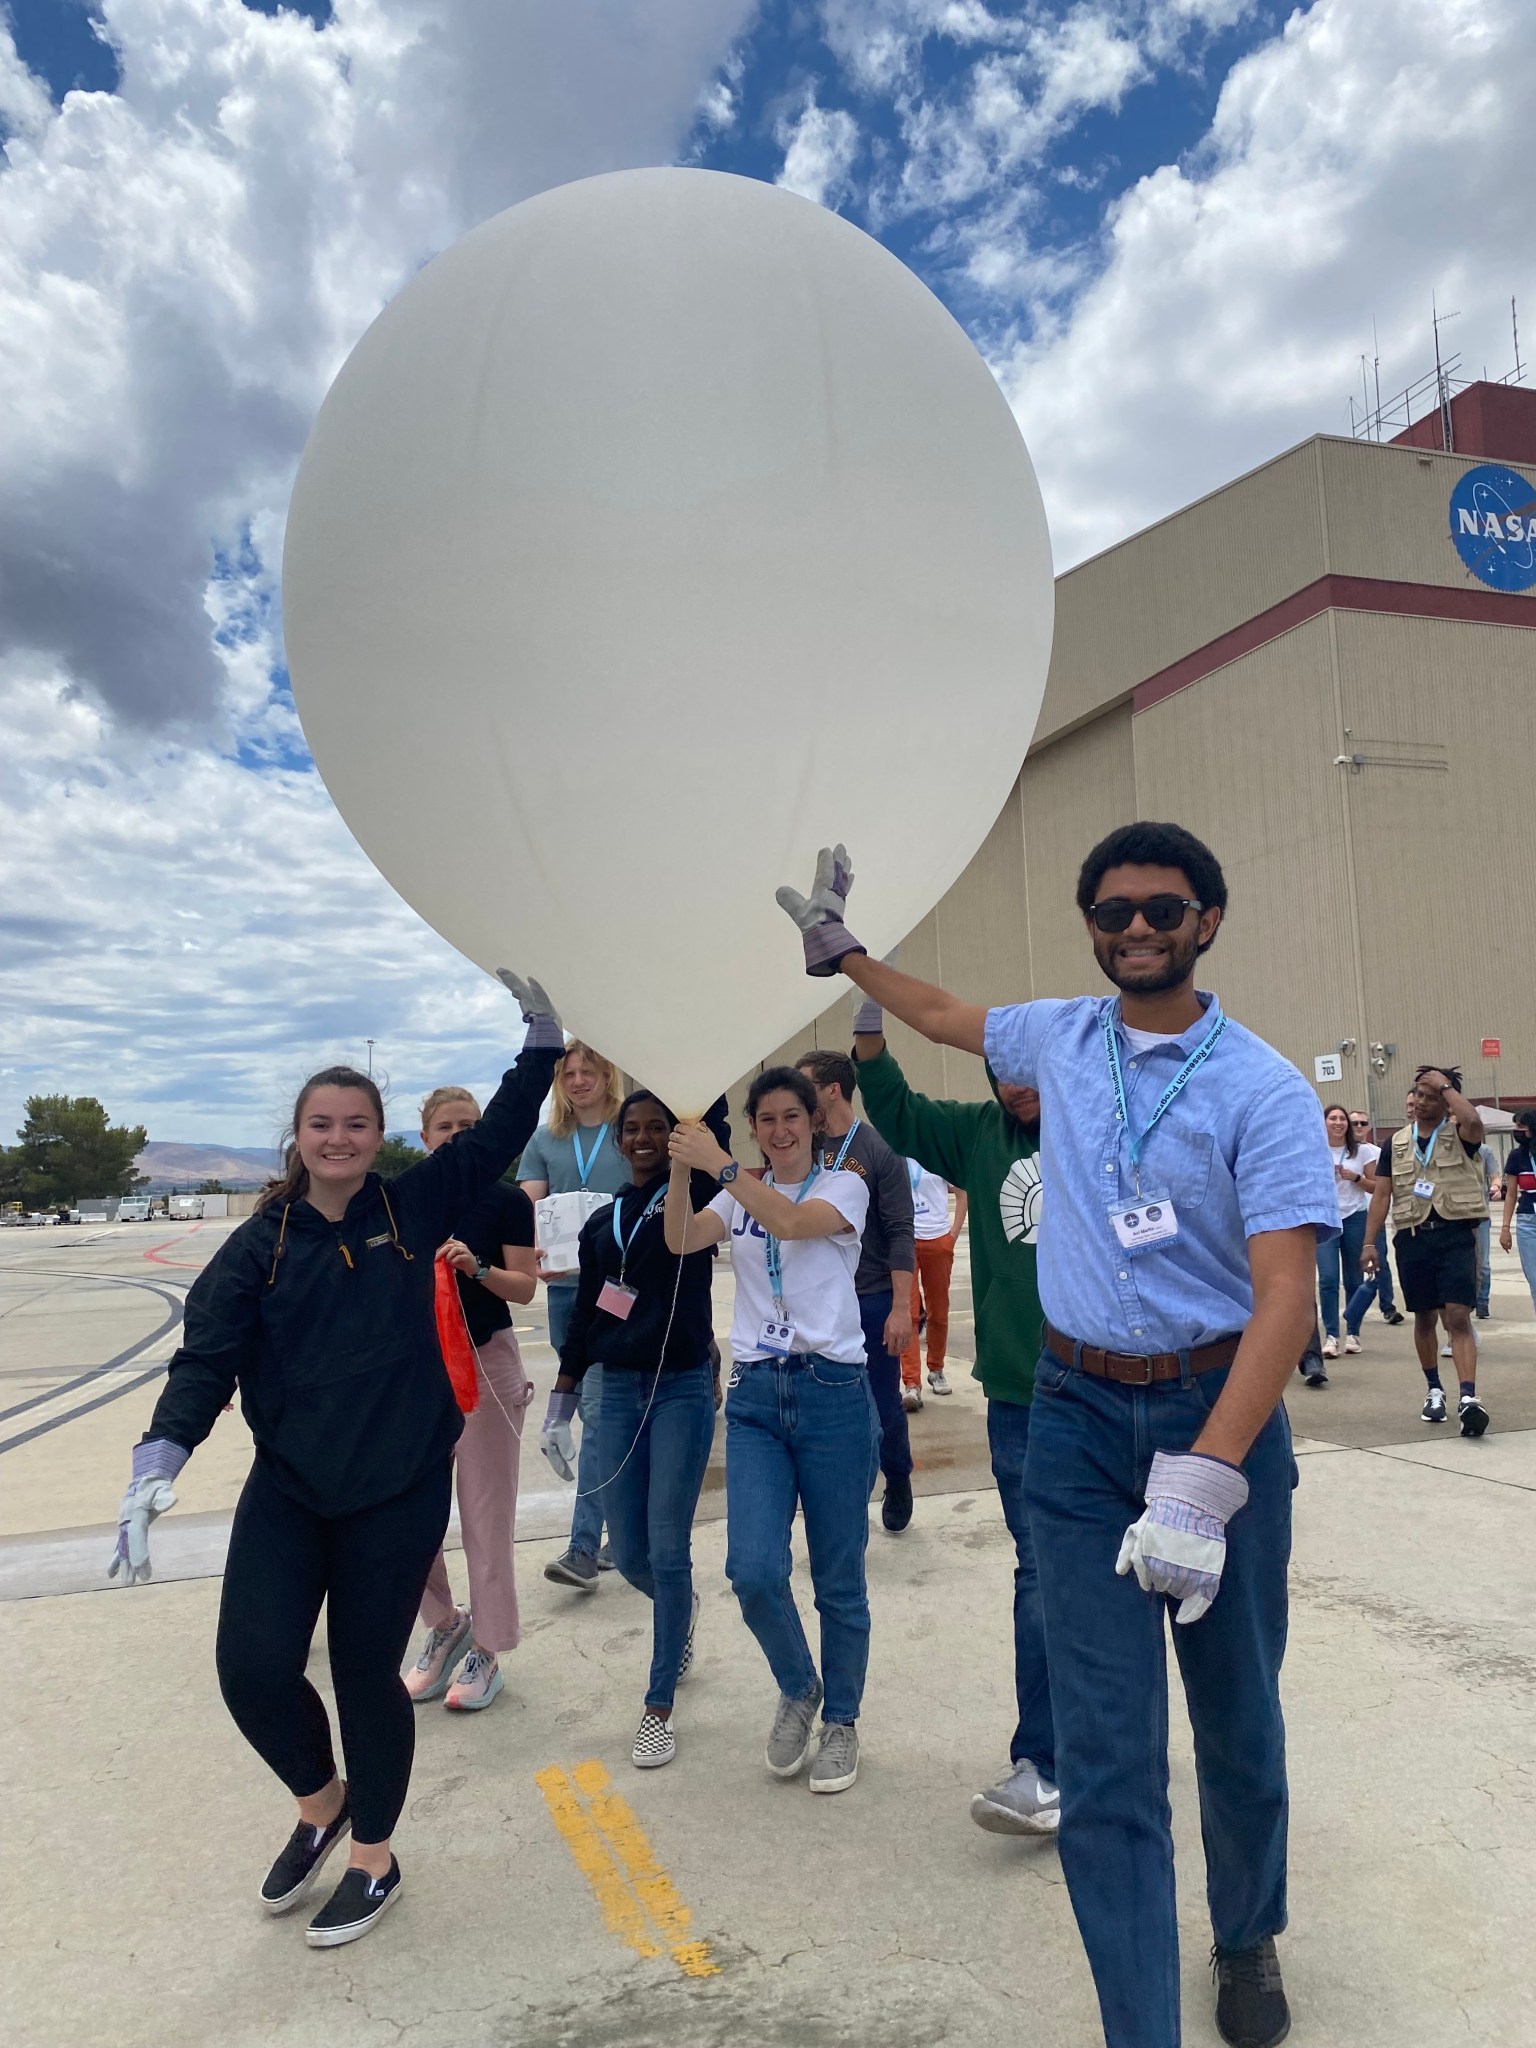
991, 1150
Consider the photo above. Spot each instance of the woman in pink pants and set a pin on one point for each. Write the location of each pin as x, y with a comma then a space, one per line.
492, 1253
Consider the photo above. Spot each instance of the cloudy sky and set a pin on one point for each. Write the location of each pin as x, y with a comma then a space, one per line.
1168, 224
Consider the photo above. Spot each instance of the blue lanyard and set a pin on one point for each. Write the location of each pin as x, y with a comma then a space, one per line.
914, 1173
1135, 1141
775, 1267
585, 1165
1428, 1158
645, 1215
836, 1165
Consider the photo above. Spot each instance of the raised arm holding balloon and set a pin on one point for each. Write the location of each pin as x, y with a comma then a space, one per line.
320, 1310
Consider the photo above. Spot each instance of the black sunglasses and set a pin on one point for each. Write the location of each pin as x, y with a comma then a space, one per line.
1162, 913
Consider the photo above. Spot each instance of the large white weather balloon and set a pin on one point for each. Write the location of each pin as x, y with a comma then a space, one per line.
662, 531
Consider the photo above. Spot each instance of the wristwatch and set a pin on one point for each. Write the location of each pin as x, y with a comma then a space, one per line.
481, 1270
729, 1171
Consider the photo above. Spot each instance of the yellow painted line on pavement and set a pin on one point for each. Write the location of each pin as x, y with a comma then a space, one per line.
638, 1900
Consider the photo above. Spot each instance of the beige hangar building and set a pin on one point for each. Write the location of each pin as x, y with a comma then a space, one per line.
1303, 670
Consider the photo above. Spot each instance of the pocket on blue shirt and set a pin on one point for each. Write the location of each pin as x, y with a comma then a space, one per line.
1179, 1162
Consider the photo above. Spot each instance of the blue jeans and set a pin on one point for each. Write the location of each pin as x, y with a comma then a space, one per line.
1525, 1245
1343, 1250
1484, 1264
654, 1467
1091, 1446
885, 1384
806, 1430
587, 1517
1378, 1290
1035, 1736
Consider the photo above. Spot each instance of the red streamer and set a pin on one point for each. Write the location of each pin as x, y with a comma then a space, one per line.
453, 1339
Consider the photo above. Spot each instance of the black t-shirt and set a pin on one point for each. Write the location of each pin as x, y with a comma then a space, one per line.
1520, 1166
503, 1215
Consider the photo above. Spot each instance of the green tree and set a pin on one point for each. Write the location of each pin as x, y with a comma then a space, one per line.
395, 1155
211, 1187
68, 1150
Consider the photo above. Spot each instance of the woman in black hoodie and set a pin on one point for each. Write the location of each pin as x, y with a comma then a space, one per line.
643, 1315
320, 1311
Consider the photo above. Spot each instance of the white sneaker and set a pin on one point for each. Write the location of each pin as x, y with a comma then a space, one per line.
937, 1384
477, 1684
1445, 1349
911, 1399
1330, 1347
1351, 1346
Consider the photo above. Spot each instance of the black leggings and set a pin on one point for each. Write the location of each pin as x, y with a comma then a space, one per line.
371, 1569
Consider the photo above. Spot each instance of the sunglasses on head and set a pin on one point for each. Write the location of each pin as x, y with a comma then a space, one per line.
1162, 913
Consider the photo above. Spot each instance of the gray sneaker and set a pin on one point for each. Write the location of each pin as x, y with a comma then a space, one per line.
1022, 1803
789, 1740
576, 1568
837, 1760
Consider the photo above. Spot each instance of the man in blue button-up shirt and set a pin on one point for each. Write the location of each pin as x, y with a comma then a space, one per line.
1189, 1178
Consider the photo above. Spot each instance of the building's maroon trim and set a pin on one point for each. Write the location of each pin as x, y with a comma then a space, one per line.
1336, 593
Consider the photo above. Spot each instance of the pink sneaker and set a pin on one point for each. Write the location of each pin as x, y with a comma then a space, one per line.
477, 1684
440, 1657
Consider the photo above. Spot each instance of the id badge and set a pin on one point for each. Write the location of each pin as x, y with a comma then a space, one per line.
1147, 1226
777, 1338
1425, 1190
616, 1299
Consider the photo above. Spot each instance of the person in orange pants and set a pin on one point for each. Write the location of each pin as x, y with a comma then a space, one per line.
936, 1239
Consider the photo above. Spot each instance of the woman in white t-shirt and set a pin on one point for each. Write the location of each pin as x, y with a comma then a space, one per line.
800, 1420
1353, 1182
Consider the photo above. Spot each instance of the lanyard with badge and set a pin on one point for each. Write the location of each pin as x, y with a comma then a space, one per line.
1150, 1222
614, 1296
586, 1162
1424, 1155
777, 1334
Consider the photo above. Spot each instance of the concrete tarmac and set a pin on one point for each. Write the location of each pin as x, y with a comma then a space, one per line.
555, 1895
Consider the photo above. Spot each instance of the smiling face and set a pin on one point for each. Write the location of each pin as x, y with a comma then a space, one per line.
581, 1081
643, 1139
1022, 1104
447, 1120
1140, 960
338, 1137
782, 1129
1337, 1121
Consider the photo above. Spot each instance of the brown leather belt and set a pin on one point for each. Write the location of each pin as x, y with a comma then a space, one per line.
1133, 1370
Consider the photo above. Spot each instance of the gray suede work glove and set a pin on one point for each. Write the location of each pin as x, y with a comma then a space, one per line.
825, 937
149, 1494
868, 1017
539, 1013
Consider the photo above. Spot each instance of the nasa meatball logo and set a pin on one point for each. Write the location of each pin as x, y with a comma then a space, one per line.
1493, 526
1019, 1201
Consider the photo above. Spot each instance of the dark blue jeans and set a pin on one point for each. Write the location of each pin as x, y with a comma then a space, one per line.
1035, 1736
589, 1513
802, 1429
885, 1384
1091, 1447
1341, 1252
653, 1465
1378, 1290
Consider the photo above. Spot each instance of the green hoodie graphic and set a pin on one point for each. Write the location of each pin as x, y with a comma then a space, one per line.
977, 1146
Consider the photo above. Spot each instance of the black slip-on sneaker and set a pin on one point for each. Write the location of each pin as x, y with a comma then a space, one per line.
896, 1505
352, 1909
1251, 2011
299, 1865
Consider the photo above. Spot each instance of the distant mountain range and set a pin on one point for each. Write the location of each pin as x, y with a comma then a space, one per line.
184, 1166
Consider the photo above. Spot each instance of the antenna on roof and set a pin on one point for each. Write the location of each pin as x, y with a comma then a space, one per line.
1442, 380
1514, 323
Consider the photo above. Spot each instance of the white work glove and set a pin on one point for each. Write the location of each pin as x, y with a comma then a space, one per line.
149, 1494
539, 1013
823, 934
556, 1439
1179, 1546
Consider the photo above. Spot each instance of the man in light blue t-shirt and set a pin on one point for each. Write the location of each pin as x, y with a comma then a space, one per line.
1190, 1181
584, 1155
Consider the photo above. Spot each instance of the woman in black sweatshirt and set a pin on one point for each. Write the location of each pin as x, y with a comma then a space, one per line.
320, 1311
643, 1315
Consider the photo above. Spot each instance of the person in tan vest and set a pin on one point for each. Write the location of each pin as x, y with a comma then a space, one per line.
1438, 1196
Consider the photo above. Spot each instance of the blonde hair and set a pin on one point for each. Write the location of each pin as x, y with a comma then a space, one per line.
562, 1115
434, 1102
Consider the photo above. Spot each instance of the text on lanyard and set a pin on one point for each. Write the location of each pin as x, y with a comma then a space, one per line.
775, 1263
842, 1150
1136, 1140
584, 1165
646, 1213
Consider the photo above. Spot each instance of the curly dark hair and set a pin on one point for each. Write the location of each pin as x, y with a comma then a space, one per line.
1150, 845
